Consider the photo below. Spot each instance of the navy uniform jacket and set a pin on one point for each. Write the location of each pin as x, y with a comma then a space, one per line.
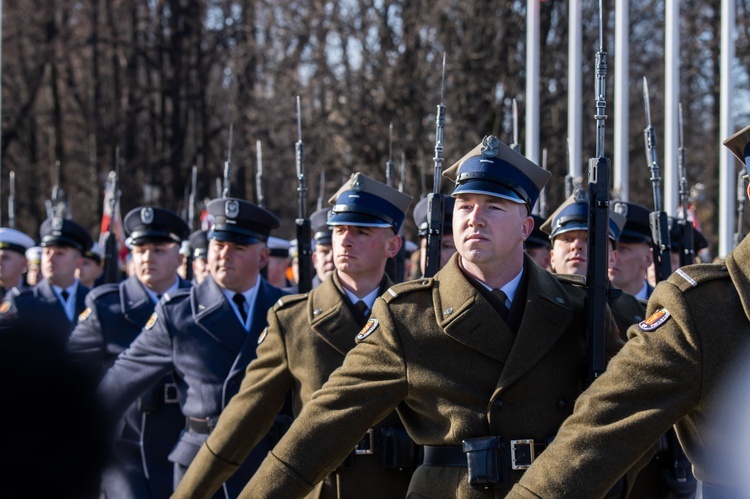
39, 308
195, 334
115, 314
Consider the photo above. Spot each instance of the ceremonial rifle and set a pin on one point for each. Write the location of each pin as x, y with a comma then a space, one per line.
657, 218
321, 189
304, 232
569, 183
435, 201
12, 200
394, 266
598, 291
110, 273
687, 256
259, 175
739, 236
228, 166
543, 193
190, 217
515, 145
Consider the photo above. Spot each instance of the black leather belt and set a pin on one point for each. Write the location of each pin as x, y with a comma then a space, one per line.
198, 425
518, 454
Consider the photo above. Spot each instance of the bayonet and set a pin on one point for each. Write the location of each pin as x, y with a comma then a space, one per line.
515, 145
259, 175
435, 201
304, 231
228, 165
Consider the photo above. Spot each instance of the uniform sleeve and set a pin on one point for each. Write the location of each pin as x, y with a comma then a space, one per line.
139, 367
246, 419
86, 342
366, 388
648, 386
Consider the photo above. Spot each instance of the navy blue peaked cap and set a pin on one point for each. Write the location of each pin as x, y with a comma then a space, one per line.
365, 202
150, 224
58, 231
739, 144
573, 214
240, 222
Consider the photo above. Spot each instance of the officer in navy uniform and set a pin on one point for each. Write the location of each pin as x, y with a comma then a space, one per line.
13, 247
206, 335
199, 247
55, 303
634, 251
307, 338
115, 314
447, 245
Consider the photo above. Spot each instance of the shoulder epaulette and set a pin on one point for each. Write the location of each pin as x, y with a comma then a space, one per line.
103, 289
289, 299
576, 279
691, 276
22, 291
177, 293
407, 287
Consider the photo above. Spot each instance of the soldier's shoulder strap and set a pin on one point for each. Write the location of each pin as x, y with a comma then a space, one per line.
691, 276
407, 287
575, 279
176, 295
102, 290
287, 300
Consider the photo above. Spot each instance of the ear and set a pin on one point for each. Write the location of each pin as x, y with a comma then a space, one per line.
393, 245
263, 257
528, 226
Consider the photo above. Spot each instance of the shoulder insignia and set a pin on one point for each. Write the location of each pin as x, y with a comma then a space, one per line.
85, 314
263, 335
370, 326
655, 320
289, 299
151, 322
690, 276
4, 307
407, 287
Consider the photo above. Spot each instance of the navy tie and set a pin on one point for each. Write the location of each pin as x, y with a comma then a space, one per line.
65, 295
239, 300
501, 298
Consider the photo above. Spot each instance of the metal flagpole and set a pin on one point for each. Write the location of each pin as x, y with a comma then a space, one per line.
671, 103
621, 161
727, 167
575, 110
532, 80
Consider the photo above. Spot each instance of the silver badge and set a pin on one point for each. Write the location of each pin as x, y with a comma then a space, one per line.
580, 196
57, 223
621, 209
147, 215
356, 183
232, 208
490, 146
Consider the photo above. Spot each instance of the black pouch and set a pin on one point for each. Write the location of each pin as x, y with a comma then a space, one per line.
485, 458
397, 449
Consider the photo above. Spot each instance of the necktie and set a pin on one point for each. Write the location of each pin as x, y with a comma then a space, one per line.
501, 307
65, 295
239, 300
361, 308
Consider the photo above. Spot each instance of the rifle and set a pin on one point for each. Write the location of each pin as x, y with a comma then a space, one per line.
56, 205
190, 217
12, 200
687, 257
259, 175
228, 166
402, 172
304, 231
394, 266
569, 183
110, 273
543, 192
657, 218
435, 201
739, 236
515, 145
598, 291
321, 189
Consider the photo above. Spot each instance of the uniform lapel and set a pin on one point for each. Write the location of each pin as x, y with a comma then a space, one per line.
80, 301
547, 315
463, 313
135, 302
48, 296
214, 314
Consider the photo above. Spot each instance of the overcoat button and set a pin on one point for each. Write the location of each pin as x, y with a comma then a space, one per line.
497, 404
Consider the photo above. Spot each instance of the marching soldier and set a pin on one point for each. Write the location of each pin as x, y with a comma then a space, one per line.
33, 265
537, 245
115, 315
91, 266
476, 376
307, 338
199, 246
668, 374
322, 256
13, 247
447, 246
54, 303
206, 335
634, 254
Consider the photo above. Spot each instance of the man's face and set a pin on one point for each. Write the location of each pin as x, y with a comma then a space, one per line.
447, 248
59, 264
363, 251
33, 274
488, 230
88, 272
632, 261
155, 264
322, 259
276, 271
12, 265
236, 266
569, 254
200, 269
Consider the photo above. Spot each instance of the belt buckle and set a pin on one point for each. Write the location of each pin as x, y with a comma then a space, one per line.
369, 440
521, 453
170, 393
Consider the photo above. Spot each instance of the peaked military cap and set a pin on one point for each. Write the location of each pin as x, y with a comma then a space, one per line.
239, 221
675, 237
278, 247
537, 238
573, 214
494, 169
199, 244
94, 253
637, 227
739, 144
365, 202
149, 224
12, 239
420, 215
319, 224
58, 231
34, 254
